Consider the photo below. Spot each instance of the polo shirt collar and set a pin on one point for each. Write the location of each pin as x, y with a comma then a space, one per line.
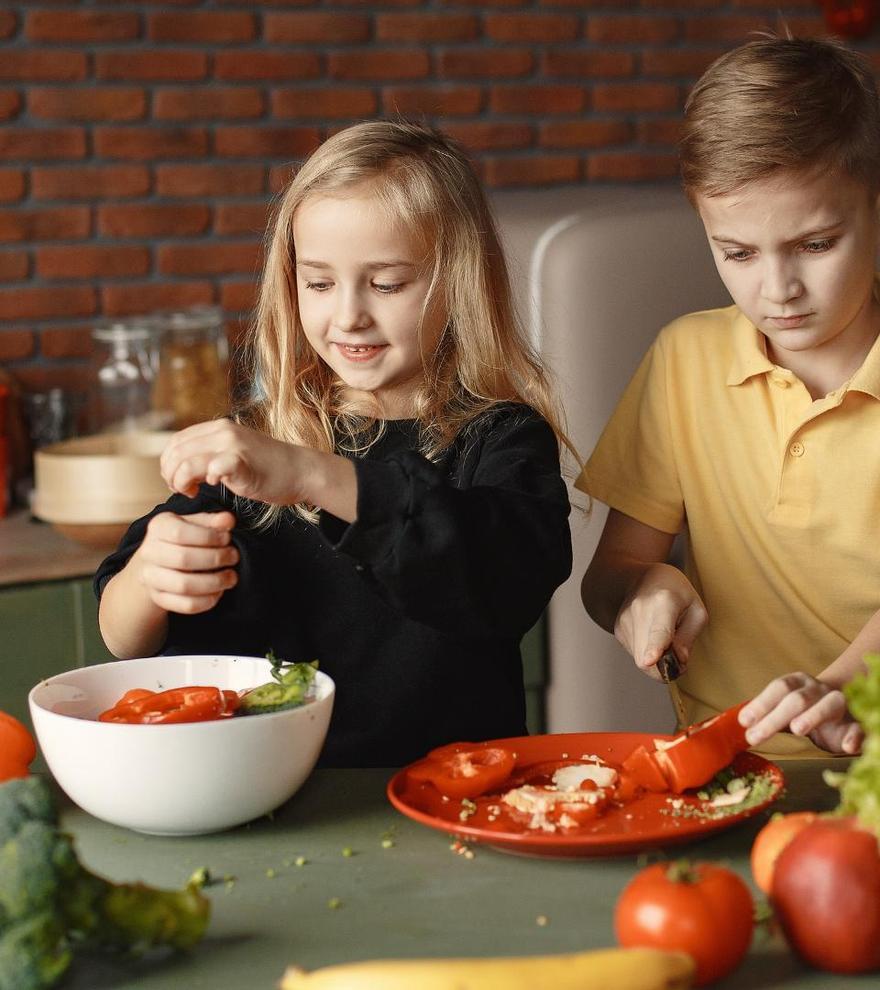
749, 351
867, 378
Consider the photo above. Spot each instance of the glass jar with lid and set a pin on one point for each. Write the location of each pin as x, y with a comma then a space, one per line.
191, 379
126, 356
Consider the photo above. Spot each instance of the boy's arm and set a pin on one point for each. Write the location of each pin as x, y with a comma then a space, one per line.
630, 590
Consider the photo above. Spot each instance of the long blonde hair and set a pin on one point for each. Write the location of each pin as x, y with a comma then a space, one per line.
483, 357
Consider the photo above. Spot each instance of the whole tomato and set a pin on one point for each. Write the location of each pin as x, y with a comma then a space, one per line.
826, 894
770, 842
702, 909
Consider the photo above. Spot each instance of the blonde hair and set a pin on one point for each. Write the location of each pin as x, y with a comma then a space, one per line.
483, 358
779, 104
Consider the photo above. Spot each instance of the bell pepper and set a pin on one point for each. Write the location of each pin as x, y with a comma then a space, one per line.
184, 704
17, 748
465, 773
690, 759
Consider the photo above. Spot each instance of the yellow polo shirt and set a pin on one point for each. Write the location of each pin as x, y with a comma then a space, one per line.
779, 494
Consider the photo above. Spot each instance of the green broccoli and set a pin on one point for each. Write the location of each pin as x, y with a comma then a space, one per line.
288, 689
50, 904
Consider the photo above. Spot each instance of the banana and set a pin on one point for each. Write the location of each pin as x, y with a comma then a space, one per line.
602, 969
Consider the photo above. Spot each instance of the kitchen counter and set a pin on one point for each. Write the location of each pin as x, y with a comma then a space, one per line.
32, 551
416, 897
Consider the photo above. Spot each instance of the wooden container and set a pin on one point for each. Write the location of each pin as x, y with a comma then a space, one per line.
91, 488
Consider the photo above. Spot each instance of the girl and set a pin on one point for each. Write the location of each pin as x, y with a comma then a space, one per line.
390, 501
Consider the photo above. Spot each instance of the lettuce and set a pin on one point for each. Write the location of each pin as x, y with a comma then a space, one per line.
859, 786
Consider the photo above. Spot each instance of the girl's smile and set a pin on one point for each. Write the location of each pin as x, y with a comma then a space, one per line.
363, 287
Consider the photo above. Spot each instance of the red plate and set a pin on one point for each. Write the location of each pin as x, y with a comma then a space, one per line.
647, 822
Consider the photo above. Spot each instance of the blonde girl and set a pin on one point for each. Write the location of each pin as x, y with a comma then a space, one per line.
389, 501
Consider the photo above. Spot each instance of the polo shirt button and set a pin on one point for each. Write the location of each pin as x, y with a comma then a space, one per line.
780, 382
796, 449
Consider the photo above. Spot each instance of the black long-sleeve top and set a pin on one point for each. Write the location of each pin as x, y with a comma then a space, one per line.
416, 610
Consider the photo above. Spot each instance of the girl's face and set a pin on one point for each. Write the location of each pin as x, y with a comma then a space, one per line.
797, 255
362, 283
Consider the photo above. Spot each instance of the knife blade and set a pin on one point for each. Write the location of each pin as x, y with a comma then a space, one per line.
670, 669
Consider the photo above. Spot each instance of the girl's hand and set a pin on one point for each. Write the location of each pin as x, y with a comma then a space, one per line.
185, 562
248, 463
801, 704
663, 609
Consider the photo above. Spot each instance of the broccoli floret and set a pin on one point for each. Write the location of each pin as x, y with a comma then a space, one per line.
50, 904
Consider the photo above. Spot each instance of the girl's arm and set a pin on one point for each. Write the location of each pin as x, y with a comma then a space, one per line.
814, 706
183, 565
629, 590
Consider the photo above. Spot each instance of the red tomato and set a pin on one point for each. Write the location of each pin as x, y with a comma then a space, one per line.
185, 704
770, 842
466, 773
702, 909
826, 894
17, 748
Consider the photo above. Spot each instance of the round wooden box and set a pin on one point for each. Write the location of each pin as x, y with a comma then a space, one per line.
91, 488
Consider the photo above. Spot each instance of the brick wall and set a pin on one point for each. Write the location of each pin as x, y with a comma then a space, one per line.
141, 142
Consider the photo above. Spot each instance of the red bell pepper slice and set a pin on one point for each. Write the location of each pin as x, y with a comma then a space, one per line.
692, 758
464, 773
185, 704
17, 748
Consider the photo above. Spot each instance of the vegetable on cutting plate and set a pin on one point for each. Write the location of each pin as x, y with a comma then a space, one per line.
691, 758
51, 905
703, 909
601, 969
825, 888
17, 748
464, 770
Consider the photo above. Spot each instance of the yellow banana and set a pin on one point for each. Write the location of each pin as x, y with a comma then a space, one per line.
603, 969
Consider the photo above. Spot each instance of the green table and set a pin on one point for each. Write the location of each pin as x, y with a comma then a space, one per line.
415, 897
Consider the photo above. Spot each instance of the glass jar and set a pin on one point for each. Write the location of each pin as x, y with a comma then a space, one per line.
191, 379
125, 362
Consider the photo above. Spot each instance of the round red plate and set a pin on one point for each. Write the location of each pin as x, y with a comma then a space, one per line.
645, 823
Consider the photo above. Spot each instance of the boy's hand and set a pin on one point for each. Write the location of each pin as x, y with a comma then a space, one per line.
186, 562
801, 704
662, 610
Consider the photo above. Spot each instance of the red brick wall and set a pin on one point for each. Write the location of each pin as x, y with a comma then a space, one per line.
140, 142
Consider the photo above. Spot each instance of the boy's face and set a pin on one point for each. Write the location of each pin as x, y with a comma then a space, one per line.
362, 283
797, 255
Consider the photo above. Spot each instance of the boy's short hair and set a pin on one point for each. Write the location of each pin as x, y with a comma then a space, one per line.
781, 104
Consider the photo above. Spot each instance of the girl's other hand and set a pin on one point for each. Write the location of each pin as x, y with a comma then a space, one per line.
663, 609
248, 463
186, 562
801, 704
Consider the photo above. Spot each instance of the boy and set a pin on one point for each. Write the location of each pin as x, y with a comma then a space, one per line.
756, 426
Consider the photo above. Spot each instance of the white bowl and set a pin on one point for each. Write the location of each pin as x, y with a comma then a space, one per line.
180, 779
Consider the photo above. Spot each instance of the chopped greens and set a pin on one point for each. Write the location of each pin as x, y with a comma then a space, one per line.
289, 687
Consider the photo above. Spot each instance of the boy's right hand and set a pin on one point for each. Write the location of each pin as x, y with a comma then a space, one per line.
662, 610
186, 562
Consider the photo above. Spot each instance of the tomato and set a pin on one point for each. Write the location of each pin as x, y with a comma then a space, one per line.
702, 909
185, 704
826, 895
464, 773
17, 748
770, 842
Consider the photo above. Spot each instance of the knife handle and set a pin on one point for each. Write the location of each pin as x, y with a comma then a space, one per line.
669, 666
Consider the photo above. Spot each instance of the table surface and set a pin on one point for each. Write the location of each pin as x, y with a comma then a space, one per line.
416, 897
31, 550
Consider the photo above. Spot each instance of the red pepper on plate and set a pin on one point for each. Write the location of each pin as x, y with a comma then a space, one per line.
464, 773
692, 758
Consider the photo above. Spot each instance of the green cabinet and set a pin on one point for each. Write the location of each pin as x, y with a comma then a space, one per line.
45, 629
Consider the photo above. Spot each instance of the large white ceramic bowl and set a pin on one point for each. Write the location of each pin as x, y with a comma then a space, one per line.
181, 779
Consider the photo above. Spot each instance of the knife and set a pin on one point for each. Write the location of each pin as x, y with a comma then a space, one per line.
669, 667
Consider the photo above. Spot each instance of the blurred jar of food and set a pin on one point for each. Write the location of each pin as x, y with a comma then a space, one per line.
126, 358
191, 379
